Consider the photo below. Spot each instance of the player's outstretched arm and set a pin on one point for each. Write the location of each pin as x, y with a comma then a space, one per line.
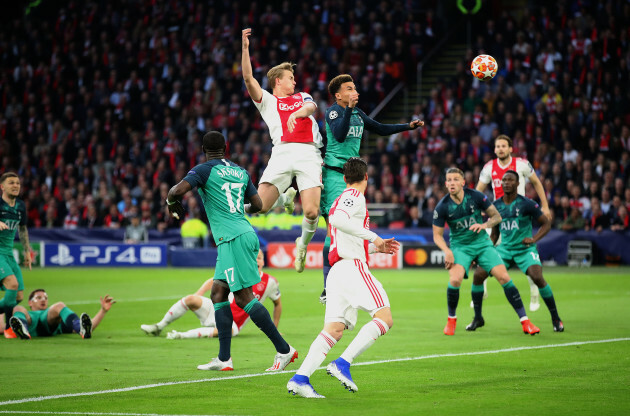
174, 199
106, 304
253, 87
540, 191
387, 246
545, 226
23, 236
387, 129
438, 239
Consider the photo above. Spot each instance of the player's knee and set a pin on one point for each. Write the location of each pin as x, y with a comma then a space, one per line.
19, 308
10, 282
311, 212
192, 301
57, 307
479, 276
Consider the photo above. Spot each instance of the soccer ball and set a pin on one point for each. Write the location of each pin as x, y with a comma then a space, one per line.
484, 67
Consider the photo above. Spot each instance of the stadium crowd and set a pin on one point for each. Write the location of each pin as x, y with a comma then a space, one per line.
104, 103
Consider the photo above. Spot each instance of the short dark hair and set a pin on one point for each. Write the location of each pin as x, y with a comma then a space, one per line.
354, 170
513, 172
503, 137
335, 83
213, 141
7, 175
455, 170
32, 294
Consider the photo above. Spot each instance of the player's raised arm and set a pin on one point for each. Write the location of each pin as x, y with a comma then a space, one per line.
540, 191
106, 304
206, 286
253, 87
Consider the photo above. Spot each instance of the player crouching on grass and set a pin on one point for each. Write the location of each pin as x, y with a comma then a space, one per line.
202, 307
517, 246
44, 321
461, 209
350, 286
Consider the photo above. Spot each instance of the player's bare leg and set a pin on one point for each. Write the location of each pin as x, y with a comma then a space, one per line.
310, 204
272, 198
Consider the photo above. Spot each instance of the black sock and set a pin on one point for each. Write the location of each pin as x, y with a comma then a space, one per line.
514, 297
452, 299
223, 320
550, 301
260, 316
477, 298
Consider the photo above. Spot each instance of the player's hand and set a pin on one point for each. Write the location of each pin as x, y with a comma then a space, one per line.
177, 210
477, 227
3, 226
353, 100
28, 260
246, 34
107, 302
390, 246
449, 260
291, 122
527, 241
415, 124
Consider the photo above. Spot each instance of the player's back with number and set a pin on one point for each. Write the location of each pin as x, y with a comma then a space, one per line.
223, 187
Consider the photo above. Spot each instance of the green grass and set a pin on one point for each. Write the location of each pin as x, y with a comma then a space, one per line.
579, 379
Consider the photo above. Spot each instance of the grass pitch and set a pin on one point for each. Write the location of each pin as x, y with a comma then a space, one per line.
414, 369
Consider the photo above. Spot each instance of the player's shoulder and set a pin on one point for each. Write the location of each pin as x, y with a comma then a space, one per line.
269, 278
525, 201
488, 164
446, 199
350, 197
475, 194
333, 112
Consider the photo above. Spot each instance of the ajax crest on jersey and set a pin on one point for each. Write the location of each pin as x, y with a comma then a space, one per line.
484, 67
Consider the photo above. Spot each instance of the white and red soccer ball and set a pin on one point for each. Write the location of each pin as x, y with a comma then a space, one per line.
484, 67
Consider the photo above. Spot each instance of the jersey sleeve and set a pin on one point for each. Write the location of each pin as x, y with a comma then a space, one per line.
306, 97
533, 209
23, 217
264, 101
351, 204
439, 214
481, 200
524, 168
381, 129
348, 206
486, 173
198, 176
339, 123
273, 289
251, 189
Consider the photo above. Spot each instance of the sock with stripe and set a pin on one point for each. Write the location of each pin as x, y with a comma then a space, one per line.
325, 252
365, 338
176, 311
70, 319
547, 296
260, 316
308, 230
223, 319
514, 297
8, 302
316, 354
452, 299
477, 298
279, 202
203, 332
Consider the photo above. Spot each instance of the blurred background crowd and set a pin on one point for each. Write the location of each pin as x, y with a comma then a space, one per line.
104, 103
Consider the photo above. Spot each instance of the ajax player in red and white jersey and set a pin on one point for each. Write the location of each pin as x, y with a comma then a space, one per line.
350, 286
296, 142
492, 173
203, 308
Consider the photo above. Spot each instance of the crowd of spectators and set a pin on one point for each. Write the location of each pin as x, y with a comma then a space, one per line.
104, 103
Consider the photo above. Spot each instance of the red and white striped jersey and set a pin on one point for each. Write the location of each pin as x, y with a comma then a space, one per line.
493, 172
276, 111
268, 287
349, 212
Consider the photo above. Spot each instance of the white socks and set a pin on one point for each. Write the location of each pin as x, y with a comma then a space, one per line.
316, 354
279, 202
365, 338
308, 230
533, 289
178, 310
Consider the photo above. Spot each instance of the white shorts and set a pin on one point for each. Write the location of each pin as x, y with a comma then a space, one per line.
350, 286
299, 160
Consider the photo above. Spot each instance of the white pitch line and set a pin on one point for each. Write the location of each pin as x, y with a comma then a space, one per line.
395, 360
